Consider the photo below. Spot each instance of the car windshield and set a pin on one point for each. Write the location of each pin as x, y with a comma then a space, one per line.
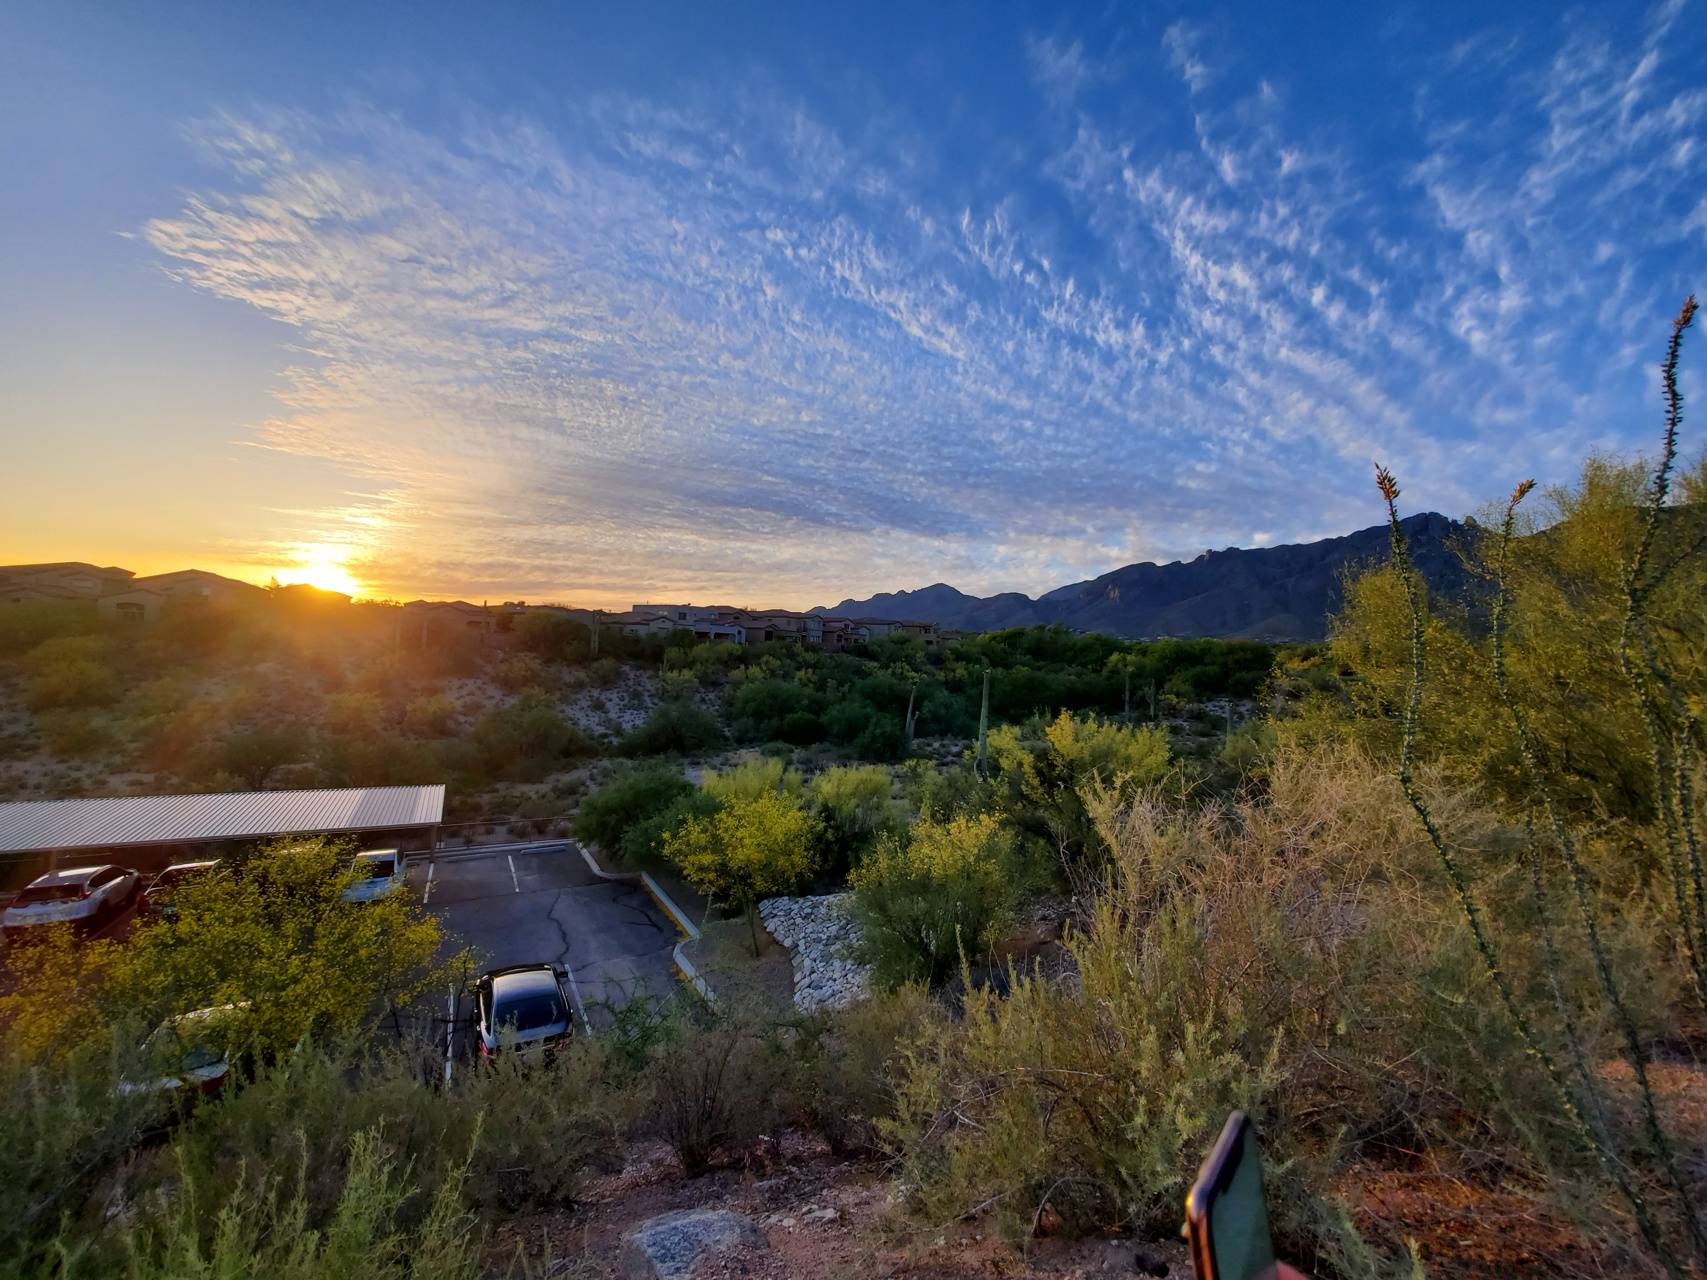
529, 1012
376, 868
198, 1056
192, 1043
173, 876
38, 893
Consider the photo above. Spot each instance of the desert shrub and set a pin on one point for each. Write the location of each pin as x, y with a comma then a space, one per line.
1273, 952
854, 806
1094, 1101
515, 672
765, 708
263, 1229
752, 778
673, 685
926, 898
74, 731
553, 636
678, 728
604, 673
25, 626
254, 753
361, 714
632, 797
1043, 769
714, 1090
431, 716
528, 736
362, 760
842, 1066
536, 1137
882, 738
846, 719
944, 793
709, 663
645, 839
65, 1126
70, 671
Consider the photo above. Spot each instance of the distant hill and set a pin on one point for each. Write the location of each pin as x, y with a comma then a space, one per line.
1266, 593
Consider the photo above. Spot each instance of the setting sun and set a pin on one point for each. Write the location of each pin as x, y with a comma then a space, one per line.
322, 567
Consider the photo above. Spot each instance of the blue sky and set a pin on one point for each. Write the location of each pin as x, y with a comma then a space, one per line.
785, 303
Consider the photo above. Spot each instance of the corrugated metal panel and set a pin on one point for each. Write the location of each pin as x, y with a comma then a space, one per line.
38, 825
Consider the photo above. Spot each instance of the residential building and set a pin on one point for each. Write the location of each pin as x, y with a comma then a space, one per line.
119, 592
448, 615
138, 604
199, 584
65, 579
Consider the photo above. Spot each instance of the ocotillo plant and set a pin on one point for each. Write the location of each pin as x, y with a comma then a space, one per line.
984, 724
1674, 737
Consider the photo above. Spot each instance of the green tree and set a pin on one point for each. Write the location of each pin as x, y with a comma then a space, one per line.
750, 848
528, 735
255, 753
674, 727
1043, 769
71, 671
854, 805
752, 778
553, 636
925, 898
431, 715
275, 934
635, 796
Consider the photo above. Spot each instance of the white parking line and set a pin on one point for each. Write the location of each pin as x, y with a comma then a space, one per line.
513, 879
427, 892
575, 995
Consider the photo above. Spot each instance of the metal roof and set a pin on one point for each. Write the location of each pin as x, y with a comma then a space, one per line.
28, 826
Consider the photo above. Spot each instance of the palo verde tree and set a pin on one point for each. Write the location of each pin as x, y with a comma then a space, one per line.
276, 935
756, 844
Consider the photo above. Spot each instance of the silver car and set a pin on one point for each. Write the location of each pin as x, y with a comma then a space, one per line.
190, 1054
523, 1008
84, 896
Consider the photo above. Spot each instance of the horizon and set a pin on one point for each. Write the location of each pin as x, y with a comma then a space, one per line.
602, 307
303, 580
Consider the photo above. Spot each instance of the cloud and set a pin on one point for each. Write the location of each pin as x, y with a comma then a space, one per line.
1060, 69
1182, 41
729, 347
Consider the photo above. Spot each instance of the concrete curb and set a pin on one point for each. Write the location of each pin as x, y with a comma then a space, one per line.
684, 966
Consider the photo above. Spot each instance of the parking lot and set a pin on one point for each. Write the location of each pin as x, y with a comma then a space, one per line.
543, 904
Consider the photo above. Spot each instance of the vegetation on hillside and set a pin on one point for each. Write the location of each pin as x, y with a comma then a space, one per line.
1438, 914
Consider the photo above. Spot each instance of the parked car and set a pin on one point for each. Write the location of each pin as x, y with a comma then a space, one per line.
380, 872
523, 1008
191, 1054
82, 896
157, 901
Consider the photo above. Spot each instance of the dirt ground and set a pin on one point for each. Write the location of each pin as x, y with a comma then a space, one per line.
822, 1217
724, 956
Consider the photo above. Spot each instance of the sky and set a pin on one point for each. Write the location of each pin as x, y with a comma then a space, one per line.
777, 304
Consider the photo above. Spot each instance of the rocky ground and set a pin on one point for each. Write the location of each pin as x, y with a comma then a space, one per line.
801, 1213
820, 936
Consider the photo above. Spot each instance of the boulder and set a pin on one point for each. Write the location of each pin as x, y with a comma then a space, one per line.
671, 1245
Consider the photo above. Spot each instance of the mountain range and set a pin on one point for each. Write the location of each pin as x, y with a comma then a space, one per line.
1263, 593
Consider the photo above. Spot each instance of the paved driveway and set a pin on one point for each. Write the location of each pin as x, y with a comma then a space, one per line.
543, 904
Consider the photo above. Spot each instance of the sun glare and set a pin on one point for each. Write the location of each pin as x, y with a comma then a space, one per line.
322, 567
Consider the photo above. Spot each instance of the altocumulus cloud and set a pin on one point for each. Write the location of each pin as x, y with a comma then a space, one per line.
737, 352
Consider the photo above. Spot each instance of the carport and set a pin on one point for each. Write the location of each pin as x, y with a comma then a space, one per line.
41, 835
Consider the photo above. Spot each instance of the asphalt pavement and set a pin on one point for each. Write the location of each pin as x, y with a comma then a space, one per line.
542, 904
